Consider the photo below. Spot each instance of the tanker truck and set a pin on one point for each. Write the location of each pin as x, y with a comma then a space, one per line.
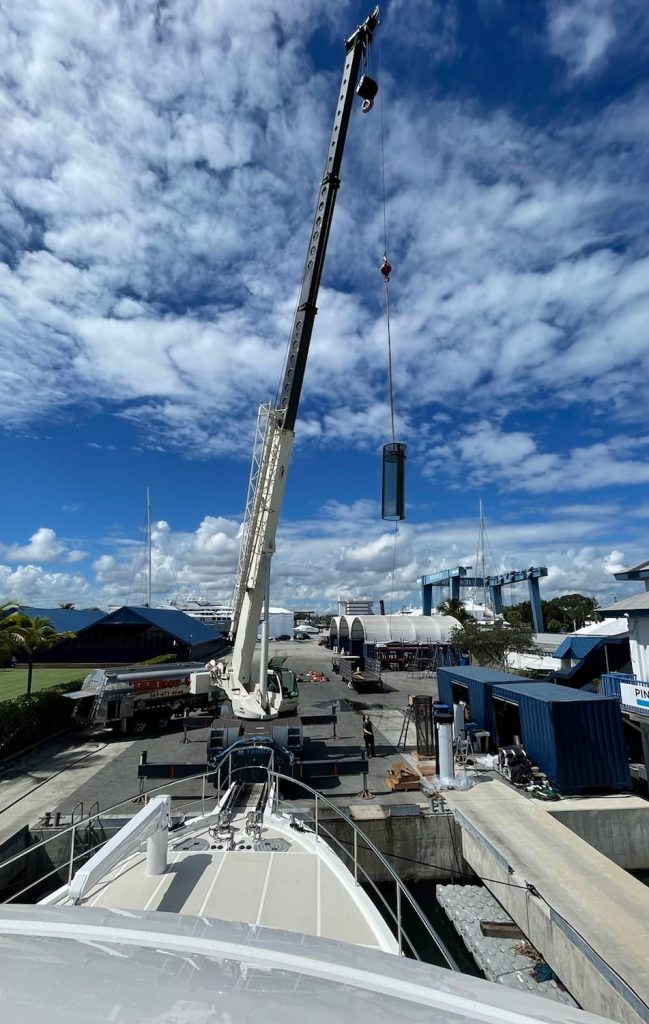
136, 698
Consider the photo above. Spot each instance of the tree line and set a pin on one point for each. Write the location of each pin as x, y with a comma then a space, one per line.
492, 643
563, 614
23, 637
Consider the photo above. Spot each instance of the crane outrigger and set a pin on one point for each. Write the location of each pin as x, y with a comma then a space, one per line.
276, 686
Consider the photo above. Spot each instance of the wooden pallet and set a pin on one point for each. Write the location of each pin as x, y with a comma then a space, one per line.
401, 779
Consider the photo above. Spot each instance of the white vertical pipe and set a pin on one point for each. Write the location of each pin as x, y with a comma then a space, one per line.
156, 853
458, 721
446, 766
263, 650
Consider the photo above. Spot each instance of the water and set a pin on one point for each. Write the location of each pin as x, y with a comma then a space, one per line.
424, 894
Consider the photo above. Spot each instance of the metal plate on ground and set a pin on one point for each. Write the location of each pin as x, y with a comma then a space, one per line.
190, 845
340, 704
272, 846
403, 810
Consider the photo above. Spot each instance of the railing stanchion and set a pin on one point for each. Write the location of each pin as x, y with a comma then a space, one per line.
203, 796
73, 834
394, 915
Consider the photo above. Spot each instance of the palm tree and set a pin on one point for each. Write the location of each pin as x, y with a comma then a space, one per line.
455, 607
32, 636
7, 624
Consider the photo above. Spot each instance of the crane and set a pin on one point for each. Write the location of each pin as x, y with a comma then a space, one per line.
261, 698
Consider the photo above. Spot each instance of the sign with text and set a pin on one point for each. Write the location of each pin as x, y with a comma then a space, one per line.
636, 696
139, 685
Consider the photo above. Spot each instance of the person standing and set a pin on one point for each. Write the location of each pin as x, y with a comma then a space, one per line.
368, 736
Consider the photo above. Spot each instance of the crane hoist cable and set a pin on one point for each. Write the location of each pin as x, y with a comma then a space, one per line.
394, 454
386, 268
393, 506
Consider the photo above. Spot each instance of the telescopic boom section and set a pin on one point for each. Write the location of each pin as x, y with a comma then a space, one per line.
306, 310
248, 699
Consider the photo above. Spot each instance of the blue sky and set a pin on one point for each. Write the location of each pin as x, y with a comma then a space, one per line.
158, 174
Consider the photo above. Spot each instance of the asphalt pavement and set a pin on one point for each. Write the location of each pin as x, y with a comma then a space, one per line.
110, 773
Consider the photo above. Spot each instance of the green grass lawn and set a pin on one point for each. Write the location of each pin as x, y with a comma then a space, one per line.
13, 681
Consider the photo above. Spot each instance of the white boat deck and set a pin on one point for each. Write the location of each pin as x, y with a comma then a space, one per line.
287, 880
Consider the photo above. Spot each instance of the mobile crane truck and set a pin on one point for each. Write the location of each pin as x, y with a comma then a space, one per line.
275, 688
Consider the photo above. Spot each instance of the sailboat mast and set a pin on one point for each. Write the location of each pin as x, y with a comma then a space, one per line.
148, 547
482, 560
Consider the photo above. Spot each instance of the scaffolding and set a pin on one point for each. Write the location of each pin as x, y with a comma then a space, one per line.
429, 656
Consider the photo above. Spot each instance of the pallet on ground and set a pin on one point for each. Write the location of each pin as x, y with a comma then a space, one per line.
401, 779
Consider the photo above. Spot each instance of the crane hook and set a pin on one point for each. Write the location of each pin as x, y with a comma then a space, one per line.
367, 89
386, 268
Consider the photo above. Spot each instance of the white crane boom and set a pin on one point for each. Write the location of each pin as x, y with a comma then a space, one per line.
262, 699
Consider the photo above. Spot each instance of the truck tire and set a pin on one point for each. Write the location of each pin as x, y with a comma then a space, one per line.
161, 719
140, 725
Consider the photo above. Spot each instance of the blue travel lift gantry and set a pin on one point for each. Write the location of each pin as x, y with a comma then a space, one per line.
455, 578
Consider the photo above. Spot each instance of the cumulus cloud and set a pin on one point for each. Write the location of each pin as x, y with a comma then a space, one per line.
201, 562
160, 166
43, 546
516, 461
345, 552
33, 585
133, 280
614, 562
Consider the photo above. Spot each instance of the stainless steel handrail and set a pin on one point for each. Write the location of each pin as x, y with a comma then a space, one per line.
388, 867
400, 888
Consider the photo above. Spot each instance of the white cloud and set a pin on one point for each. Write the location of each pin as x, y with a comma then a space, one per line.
584, 33
43, 546
33, 585
346, 552
486, 453
160, 168
581, 32
159, 208
614, 562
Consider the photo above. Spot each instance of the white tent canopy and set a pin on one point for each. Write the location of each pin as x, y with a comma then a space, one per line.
384, 629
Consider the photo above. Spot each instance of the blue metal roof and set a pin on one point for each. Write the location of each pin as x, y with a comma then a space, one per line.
182, 627
577, 646
481, 674
549, 693
480, 683
65, 620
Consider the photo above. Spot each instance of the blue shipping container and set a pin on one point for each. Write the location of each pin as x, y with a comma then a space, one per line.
473, 685
575, 737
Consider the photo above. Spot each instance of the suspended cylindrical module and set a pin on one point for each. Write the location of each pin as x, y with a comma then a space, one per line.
393, 501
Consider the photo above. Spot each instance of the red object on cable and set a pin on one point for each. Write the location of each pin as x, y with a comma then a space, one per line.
386, 269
